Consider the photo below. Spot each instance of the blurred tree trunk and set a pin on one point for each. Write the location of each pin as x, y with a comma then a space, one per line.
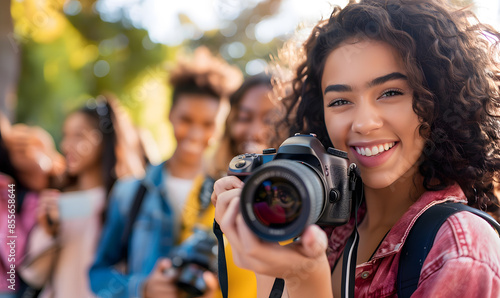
9, 61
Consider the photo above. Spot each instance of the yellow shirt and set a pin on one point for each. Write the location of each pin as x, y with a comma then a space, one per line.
241, 282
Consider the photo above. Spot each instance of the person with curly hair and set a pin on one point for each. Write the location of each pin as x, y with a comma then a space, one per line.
248, 129
171, 197
88, 146
409, 89
249, 124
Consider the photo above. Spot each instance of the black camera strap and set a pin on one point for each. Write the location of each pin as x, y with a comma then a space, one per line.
351, 248
221, 260
349, 261
278, 286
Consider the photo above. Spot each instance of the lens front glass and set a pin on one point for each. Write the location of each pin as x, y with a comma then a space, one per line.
277, 203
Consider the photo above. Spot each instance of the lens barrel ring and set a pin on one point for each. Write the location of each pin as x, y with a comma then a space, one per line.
308, 185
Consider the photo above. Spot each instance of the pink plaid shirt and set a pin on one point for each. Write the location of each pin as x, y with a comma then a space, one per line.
463, 262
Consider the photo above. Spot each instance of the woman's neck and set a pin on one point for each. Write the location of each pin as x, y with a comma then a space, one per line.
180, 169
90, 178
384, 207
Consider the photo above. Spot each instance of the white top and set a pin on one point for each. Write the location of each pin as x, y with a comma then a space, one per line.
80, 230
178, 190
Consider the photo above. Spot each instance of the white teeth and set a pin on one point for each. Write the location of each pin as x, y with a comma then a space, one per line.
375, 149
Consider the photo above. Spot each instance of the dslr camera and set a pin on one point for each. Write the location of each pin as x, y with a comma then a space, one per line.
192, 258
299, 184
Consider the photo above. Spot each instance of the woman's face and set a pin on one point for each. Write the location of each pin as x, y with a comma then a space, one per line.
368, 111
251, 128
193, 118
81, 144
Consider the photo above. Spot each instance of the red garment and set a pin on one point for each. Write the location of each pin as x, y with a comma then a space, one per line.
463, 262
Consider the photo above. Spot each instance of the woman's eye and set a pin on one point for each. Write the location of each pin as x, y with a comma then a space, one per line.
243, 119
390, 93
338, 102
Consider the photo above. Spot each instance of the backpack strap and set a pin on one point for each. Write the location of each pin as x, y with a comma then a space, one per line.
133, 212
207, 187
420, 240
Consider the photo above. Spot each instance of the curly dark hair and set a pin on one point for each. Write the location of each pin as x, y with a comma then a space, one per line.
451, 67
203, 74
101, 114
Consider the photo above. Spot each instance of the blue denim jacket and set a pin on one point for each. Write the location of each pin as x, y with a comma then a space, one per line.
152, 237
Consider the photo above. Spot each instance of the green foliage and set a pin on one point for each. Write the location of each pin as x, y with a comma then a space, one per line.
240, 33
68, 58
85, 58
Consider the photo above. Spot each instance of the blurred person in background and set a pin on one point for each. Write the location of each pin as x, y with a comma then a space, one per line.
248, 129
70, 218
249, 125
28, 162
134, 263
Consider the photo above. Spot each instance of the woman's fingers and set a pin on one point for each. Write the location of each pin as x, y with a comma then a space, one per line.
228, 223
224, 199
224, 184
249, 251
313, 242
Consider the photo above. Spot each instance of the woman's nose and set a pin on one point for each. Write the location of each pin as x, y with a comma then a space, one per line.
367, 118
197, 132
258, 131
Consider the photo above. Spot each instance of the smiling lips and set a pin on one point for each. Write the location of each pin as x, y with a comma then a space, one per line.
374, 150
373, 156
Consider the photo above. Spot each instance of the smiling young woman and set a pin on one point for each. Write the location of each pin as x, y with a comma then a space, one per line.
409, 89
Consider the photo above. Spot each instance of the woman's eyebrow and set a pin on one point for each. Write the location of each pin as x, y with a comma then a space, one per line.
386, 78
338, 88
374, 82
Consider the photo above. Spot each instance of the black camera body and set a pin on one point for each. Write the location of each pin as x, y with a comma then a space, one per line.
192, 258
299, 184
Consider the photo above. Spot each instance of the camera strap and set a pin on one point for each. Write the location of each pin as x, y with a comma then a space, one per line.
349, 262
278, 286
351, 248
221, 260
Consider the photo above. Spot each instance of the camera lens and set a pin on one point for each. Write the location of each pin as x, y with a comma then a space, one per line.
277, 203
281, 198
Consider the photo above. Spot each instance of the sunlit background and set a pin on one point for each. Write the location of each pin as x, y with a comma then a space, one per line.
57, 54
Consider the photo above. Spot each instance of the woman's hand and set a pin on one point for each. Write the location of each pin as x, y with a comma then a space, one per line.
48, 211
5, 181
303, 263
161, 282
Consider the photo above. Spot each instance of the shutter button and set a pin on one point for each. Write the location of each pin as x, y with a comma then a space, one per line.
365, 275
240, 163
